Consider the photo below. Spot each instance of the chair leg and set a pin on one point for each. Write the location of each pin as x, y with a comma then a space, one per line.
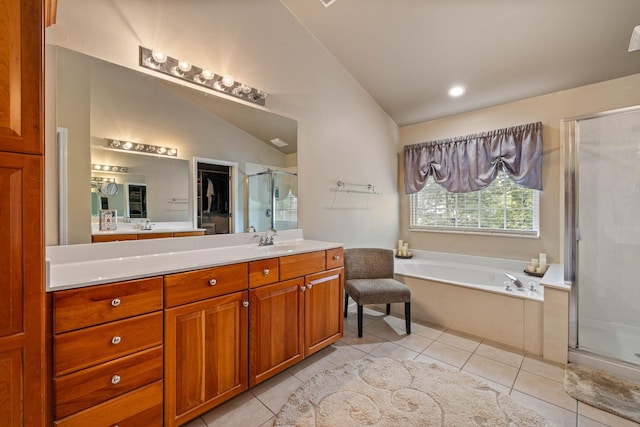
388, 309
407, 317
346, 303
359, 321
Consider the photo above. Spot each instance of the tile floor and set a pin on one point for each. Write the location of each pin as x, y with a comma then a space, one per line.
528, 380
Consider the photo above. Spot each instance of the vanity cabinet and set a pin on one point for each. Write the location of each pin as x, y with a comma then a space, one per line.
276, 325
108, 354
293, 319
98, 238
206, 339
323, 318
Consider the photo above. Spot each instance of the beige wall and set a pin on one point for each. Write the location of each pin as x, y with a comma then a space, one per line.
550, 109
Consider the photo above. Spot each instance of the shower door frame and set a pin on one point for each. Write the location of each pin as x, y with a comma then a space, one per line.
571, 135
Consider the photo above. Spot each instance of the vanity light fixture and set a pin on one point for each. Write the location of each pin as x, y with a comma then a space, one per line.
158, 61
108, 168
137, 147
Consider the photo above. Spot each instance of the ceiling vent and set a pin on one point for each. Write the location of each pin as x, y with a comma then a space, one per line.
278, 142
327, 3
634, 44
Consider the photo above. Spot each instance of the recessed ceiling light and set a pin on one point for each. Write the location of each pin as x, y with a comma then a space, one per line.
327, 3
456, 91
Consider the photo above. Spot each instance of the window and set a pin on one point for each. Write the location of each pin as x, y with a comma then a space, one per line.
502, 207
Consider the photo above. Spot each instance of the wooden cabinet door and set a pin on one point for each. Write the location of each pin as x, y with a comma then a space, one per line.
323, 306
22, 346
21, 77
276, 328
206, 355
23, 384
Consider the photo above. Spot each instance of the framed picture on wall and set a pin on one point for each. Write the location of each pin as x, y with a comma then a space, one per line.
108, 219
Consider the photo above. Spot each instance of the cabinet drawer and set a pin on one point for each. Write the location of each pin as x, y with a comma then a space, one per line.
78, 308
335, 258
299, 265
97, 238
145, 236
188, 233
263, 272
182, 288
91, 386
76, 350
142, 407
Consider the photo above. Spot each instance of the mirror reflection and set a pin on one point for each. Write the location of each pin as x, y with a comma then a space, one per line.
155, 188
97, 101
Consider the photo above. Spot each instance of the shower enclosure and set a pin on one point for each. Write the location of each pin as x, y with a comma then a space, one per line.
602, 239
272, 200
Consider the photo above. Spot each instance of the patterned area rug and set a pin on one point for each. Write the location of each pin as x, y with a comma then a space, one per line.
387, 392
603, 391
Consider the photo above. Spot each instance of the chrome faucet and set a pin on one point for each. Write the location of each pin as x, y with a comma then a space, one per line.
267, 240
515, 281
146, 226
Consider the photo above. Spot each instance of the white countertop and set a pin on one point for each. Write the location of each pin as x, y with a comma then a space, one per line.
76, 266
135, 228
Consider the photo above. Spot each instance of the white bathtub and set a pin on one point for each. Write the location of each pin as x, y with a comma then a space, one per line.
467, 293
489, 276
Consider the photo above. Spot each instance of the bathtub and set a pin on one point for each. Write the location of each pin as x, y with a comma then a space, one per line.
467, 293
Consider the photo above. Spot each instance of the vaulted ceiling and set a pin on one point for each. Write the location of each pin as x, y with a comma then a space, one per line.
407, 53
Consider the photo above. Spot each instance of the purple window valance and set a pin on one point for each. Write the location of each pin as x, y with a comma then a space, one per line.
472, 162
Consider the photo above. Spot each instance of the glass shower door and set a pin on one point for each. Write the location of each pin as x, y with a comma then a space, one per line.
608, 227
260, 201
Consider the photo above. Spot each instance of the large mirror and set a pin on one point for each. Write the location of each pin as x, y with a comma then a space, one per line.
97, 101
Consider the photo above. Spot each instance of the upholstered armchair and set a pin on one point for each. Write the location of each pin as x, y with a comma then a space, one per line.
369, 279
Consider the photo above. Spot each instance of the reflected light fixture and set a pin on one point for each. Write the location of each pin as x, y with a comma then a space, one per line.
158, 61
108, 168
137, 147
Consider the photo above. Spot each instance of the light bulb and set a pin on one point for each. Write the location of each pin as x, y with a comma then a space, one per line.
159, 57
162, 150
206, 74
97, 167
127, 145
456, 91
172, 152
228, 80
184, 66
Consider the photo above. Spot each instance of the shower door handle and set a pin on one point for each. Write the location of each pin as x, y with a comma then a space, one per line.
578, 234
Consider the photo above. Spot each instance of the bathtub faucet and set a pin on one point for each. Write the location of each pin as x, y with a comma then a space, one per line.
515, 281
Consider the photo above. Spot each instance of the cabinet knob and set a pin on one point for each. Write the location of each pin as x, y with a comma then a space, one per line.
336, 257
212, 282
309, 286
115, 379
303, 288
116, 340
245, 304
265, 271
115, 302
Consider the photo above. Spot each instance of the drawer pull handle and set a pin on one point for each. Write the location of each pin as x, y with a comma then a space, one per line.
115, 302
336, 257
116, 340
309, 286
303, 288
115, 379
265, 271
245, 304
212, 282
